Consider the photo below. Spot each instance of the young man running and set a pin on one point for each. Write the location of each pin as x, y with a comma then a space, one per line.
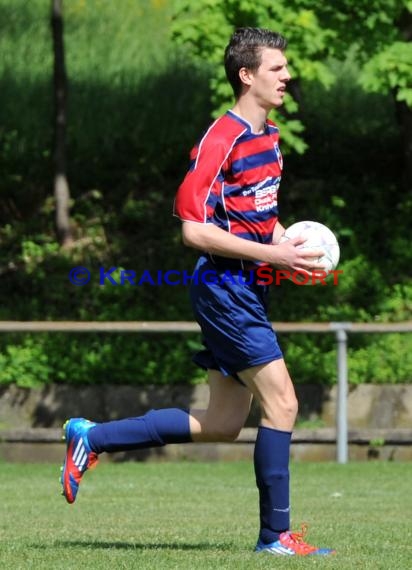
228, 206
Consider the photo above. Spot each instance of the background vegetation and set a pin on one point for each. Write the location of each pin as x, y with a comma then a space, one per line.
145, 78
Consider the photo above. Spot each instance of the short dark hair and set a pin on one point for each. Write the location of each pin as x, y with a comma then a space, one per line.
244, 50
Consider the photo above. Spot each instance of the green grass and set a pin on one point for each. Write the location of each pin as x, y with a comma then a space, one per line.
198, 515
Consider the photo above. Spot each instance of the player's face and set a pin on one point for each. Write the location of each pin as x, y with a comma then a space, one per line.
268, 82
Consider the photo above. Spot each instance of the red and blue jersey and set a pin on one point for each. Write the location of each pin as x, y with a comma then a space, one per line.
233, 179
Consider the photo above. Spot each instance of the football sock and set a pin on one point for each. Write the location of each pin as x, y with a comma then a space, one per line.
271, 459
154, 429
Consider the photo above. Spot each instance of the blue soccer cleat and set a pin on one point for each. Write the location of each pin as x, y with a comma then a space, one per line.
292, 544
79, 456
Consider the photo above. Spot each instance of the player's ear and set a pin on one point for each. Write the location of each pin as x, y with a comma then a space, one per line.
245, 76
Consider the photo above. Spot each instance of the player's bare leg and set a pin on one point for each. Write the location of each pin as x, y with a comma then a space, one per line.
272, 386
228, 409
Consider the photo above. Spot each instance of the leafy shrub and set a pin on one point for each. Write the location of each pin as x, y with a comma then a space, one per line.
25, 364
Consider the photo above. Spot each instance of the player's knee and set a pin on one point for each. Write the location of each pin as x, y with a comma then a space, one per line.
290, 406
285, 408
293, 406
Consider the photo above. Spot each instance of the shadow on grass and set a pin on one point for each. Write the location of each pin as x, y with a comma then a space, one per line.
132, 545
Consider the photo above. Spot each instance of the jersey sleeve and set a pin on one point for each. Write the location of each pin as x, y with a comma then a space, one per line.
197, 195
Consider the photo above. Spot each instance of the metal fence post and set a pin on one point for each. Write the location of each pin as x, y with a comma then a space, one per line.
341, 408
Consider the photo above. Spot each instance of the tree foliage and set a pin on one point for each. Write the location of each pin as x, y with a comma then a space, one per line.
378, 32
203, 28
381, 32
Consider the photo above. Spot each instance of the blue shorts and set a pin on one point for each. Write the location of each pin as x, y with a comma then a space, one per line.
231, 309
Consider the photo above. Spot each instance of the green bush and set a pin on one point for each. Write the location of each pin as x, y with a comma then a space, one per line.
25, 364
386, 359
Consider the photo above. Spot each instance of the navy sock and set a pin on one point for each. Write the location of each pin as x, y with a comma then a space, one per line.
154, 429
271, 460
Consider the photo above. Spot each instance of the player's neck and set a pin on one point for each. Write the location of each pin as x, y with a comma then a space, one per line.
253, 114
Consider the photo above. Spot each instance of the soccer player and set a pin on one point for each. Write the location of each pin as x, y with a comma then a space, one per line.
228, 207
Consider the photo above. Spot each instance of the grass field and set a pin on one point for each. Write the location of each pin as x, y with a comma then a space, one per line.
197, 515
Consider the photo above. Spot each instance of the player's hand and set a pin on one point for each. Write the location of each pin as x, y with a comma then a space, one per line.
288, 255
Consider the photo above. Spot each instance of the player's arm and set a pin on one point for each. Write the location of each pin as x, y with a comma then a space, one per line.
210, 238
277, 233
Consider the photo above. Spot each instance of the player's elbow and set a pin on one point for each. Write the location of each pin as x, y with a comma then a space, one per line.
191, 235
186, 234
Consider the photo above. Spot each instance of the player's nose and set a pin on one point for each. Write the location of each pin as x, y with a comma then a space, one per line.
286, 76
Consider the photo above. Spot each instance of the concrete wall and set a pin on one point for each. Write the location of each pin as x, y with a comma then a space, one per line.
370, 407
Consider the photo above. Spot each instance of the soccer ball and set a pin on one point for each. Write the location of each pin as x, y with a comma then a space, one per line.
318, 236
